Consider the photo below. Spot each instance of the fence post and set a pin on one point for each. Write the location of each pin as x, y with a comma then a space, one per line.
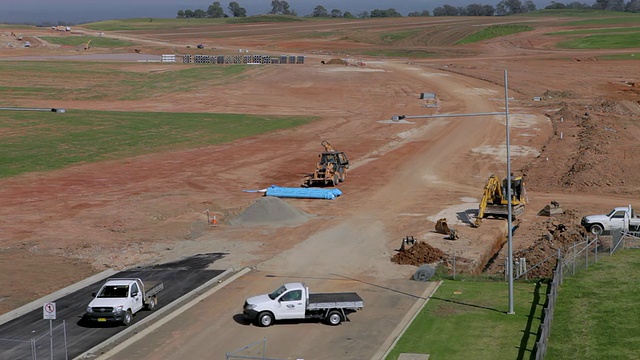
596, 243
586, 255
573, 266
454, 265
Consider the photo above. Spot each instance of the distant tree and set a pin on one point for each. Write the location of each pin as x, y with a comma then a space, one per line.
280, 7
555, 5
385, 13
188, 13
509, 7
633, 6
180, 14
336, 13
577, 5
319, 11
475, 10
489, 10
236, 10
600, 4
215, 10
419, 13
616, 5
529, 6
445, 10
348, 15
199, 13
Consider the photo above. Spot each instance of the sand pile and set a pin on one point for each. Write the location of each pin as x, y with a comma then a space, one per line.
270, 210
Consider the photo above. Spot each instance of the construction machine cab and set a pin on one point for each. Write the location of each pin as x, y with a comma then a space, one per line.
330, 169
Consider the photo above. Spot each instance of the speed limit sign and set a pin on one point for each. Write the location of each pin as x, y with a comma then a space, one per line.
49, 311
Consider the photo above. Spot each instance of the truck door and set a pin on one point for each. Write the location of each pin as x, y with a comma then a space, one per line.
617, 220
136, 298
291, 305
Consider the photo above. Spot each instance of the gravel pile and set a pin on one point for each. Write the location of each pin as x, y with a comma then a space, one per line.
270, 210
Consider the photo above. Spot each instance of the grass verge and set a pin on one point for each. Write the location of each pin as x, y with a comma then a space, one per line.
468, 319
41, 141
603, 41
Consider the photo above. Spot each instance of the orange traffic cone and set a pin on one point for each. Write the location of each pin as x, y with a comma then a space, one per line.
214, 220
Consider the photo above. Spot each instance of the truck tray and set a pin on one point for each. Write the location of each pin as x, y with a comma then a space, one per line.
335, 300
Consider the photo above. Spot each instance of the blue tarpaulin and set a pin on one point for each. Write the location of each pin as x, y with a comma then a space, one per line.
303, 193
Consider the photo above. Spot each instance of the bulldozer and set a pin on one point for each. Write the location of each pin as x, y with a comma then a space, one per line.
494, 201
330, 170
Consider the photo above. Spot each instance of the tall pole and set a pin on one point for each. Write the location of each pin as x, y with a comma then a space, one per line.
509, 211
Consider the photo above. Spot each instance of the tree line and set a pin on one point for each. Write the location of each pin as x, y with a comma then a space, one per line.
503, 8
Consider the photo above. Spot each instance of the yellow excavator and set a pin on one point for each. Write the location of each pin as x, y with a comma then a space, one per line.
494, 199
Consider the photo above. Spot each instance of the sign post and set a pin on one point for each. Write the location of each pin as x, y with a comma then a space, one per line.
49, 313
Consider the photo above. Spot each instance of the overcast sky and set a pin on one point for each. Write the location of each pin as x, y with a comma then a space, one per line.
79, 11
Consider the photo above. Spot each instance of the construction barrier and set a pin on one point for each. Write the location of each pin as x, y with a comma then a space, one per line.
168, 58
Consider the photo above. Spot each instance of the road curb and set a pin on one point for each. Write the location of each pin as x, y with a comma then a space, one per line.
54, 296
397, 333
153, 321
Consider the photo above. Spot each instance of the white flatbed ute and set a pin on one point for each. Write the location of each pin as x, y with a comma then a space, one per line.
120, 298
293, 301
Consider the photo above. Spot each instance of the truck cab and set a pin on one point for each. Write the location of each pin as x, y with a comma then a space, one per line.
286, 302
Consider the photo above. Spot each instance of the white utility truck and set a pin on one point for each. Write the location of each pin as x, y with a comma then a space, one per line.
119, 298
293, 301
622, 218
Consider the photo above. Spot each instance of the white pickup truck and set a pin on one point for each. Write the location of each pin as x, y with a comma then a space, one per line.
622, 218
119, 298
293, 301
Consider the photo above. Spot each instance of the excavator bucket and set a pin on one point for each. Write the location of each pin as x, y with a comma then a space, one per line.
442, 227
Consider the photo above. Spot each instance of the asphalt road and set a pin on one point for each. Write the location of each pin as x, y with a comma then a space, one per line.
29, 333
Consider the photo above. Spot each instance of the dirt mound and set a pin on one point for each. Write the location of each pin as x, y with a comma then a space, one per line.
336, 62
419, 254
557, 232
270, 210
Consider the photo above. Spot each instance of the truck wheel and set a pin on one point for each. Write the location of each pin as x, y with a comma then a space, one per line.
127, 318
596, 229
265, 319
334, 318
152, 303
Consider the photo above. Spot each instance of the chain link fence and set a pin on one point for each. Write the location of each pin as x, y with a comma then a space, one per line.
578, 257
51, 345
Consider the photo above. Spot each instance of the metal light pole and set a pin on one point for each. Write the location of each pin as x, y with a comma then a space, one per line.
509, 208
509, 211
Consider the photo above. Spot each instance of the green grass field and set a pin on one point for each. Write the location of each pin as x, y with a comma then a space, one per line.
493, 31
468, 320
175, 23
105, 81
603, 41
597, 313
41, 141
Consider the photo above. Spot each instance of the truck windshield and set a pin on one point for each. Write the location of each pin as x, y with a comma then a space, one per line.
277, 292
114, 291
